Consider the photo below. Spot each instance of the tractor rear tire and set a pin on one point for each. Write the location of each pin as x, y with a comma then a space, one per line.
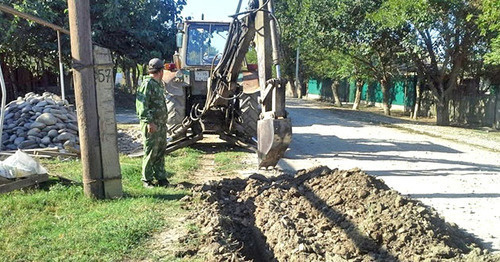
250, 111
176, 106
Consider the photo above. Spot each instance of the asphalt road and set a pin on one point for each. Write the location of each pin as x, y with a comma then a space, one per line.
459, 180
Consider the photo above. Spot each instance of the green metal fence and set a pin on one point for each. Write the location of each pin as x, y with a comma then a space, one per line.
402, 91
477, 109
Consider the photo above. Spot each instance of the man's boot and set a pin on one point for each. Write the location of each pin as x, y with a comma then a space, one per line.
147, 184
163, 183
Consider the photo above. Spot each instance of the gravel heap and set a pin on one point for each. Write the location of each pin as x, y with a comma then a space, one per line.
40, 121
322, 215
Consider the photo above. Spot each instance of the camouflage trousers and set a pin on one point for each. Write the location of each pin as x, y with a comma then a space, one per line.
153, 162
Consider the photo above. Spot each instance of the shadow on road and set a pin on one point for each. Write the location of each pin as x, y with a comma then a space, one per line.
354, 118
328, 144
328, 147
472, 195
467, 170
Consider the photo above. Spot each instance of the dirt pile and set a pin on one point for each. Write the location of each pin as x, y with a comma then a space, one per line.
323, 215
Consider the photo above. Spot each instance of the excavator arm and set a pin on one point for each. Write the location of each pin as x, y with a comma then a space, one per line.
222, 111
258, 24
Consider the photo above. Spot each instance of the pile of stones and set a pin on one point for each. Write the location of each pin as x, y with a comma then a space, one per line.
40, 121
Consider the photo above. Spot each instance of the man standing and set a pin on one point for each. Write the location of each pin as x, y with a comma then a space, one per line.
152, 112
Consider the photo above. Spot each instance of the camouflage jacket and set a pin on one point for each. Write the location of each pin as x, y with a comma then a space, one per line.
150, 102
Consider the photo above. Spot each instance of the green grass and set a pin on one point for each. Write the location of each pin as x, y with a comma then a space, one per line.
183, 162
58, 223
228, 162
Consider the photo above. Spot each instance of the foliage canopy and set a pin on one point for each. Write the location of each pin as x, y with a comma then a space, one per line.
134, 31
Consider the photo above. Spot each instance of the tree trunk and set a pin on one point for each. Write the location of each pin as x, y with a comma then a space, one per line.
298, 87
135, 79
386, 96
442, 112
418, 99
370, 96
128, 83
335, 91
293, 88
496, 121
14, 84
115, 71
357, 100
302, 86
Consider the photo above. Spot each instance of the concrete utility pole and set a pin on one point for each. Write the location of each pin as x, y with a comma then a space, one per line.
85, 96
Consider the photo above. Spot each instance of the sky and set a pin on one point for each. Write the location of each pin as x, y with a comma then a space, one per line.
214, 10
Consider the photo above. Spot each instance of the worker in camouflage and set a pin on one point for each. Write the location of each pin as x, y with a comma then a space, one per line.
152, 112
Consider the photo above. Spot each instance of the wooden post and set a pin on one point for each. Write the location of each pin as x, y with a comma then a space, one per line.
2, 109
85, 96
107, 122
61, 70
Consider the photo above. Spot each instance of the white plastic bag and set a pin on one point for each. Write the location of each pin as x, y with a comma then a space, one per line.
21, 164
4, 172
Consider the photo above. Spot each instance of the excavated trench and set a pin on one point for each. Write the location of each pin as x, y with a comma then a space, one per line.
323, 215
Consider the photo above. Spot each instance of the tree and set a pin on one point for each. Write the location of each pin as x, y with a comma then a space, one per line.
27, 44
489, 23
343, 27
441, 41
287, 14
336, 66
30, 46
135, 31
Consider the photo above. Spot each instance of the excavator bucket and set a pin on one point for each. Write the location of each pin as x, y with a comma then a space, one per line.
274, 136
